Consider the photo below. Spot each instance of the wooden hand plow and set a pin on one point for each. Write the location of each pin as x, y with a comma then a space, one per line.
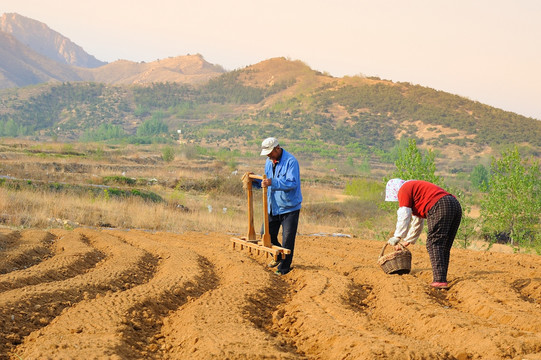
250, 240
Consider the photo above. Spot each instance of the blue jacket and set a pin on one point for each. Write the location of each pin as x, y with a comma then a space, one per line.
284, 195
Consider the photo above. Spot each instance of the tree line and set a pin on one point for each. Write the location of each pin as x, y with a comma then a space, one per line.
99, 112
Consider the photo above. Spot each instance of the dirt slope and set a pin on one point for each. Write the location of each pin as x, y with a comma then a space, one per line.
91, 294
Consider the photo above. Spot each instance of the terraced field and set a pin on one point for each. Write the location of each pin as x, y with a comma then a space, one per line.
113, 294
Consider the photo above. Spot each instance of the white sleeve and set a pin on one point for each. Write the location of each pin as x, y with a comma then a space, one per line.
403, 221
416, 227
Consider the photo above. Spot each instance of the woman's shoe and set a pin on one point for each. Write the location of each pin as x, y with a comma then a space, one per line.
440, 285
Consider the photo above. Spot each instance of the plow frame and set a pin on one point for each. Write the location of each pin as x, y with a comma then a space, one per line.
250, 241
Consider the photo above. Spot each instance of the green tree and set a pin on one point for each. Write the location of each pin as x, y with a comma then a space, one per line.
103, 132
413, 165
512, 206
479, 177
467, 230
154, 126
11, 128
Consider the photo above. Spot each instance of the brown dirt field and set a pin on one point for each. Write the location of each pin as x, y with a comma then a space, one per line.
113, 294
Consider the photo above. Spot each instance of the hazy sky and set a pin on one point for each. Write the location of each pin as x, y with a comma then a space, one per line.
486, 50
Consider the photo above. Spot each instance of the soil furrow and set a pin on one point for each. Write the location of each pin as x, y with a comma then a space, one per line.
30, 308
233, 320
21, 250
496, 302
140, 295
71, 256
435, 318
528, 289
8, 240
405, 305
317, 311
125, 322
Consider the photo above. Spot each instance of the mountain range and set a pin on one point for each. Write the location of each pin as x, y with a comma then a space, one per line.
74, 97
32, 53
47, 42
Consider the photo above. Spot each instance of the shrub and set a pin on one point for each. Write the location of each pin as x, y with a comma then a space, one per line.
152, 127
511, 209
168, 154
115, 179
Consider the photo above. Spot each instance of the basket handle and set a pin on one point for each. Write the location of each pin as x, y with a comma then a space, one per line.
386, 244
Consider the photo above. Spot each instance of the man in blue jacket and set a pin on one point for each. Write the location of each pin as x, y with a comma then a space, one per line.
284, 196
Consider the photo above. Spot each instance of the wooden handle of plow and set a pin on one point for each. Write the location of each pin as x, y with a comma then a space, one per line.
258, 177
251, 230
266, 235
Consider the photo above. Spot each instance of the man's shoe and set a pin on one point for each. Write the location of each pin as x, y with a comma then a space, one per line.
280, 272
274, 263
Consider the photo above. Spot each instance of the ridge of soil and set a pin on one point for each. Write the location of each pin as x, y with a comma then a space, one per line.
133, 294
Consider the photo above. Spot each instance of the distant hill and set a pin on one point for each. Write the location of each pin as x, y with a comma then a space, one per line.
315, 114
344, 120
189, 69
47, 42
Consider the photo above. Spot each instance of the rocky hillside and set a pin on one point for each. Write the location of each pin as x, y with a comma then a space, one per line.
47, 42
21, 66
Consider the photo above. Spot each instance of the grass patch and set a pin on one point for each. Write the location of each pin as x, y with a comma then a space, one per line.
366, 189
115, 179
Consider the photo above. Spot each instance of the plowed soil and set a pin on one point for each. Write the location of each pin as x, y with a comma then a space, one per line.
112, 294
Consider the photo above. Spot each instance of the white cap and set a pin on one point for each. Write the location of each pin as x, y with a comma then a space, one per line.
268, 145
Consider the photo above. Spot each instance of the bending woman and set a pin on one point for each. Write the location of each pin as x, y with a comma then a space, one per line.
419, 200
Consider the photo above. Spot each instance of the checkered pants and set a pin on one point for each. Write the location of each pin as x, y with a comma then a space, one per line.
443, 220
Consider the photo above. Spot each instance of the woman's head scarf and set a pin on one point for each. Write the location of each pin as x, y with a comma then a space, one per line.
391, 190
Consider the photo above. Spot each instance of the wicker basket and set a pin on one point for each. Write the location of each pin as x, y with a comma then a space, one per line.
398, 262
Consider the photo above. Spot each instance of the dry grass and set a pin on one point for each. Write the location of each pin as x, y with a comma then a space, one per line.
50, 210
64, 186
193, 212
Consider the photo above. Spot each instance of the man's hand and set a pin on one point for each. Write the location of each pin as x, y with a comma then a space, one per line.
393, 241
266, 182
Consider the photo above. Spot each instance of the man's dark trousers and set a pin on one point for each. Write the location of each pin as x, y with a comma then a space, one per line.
289, 222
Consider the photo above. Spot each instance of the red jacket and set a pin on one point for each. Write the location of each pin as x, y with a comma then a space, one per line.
420, 196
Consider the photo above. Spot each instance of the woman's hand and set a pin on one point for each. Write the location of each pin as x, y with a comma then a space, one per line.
405, 244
